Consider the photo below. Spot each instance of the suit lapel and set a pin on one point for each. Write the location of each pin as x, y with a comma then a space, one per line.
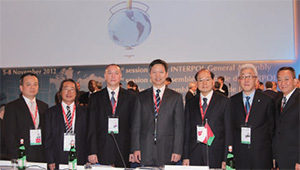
255, 105
212, 103
105, 99
121, 100
290, 102
23, 106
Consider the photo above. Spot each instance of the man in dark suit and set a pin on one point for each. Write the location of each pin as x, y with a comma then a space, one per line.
253, 122
192, 91
216, 109
24, 119
158, 124
223, 87
286, 142
85, 97
130, 86
65, 122
269, 91
110, 111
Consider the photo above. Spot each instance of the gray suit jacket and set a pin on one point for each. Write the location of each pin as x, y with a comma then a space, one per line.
170, 128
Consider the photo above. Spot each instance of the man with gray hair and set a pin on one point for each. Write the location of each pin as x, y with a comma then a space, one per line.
253, 113
192, 91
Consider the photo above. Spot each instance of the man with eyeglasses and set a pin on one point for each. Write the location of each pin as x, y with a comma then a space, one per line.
253, 113
65, 123
212, 109
286, 141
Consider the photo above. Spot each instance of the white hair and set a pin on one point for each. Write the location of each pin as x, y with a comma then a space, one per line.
248, 66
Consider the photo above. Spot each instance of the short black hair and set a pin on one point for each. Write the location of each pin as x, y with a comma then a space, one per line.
158, 61
269, 84
212, 75
61, 86
291, 69
25, 75
130, 83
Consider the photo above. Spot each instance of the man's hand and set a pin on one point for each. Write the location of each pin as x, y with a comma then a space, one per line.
175, 157
297, 166
93, 159
223, 166
131, 158
137, 156
51, 166
186, 162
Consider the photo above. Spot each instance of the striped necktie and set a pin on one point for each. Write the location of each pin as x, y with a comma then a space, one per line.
157, 103
69, 117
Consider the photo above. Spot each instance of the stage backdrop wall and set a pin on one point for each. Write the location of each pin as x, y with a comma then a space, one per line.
181, 74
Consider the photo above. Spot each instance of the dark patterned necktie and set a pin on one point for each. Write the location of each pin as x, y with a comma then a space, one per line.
284, 102
156, 104
204, 105
112, 101
69, 117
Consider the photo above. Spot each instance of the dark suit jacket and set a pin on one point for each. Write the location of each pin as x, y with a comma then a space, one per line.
225, 88
219, 119
133, 91
17, 123
188, 95
170, 130
286, 140
272, 93
54, 135
258, 155
102, 143
84, 98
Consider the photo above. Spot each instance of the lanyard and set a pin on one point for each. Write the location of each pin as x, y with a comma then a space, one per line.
34, 117
114, 106
201, 109
155, 102
69, 124
247, 113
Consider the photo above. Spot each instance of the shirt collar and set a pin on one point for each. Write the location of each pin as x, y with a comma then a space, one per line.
65, 105
250, 95
208, 96
28, 100
116, 92
162, 90
289, 95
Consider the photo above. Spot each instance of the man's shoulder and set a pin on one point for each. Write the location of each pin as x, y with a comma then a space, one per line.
236, 96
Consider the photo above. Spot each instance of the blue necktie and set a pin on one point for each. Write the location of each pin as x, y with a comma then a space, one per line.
156, 105
247, 104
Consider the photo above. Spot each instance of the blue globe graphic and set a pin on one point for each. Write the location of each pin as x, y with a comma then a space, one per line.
129, 27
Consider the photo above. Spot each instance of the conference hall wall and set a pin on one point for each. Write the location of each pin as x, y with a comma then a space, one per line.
77, 39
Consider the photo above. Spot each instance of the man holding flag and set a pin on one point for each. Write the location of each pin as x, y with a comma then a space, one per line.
208, 129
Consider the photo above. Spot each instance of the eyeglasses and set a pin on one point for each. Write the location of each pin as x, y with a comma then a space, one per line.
205, 79
247, 77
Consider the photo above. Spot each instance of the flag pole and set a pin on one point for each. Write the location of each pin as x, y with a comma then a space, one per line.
207, 155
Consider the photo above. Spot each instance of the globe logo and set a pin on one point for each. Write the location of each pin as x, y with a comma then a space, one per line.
129, 26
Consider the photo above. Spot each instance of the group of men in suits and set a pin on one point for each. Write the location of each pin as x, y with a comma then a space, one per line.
153, 129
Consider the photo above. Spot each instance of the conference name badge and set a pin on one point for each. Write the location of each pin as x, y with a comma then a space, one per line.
245, 135
35, 137
69, 138
201, 133
113, 125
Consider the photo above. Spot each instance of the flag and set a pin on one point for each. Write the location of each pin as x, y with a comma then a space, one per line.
206, 135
